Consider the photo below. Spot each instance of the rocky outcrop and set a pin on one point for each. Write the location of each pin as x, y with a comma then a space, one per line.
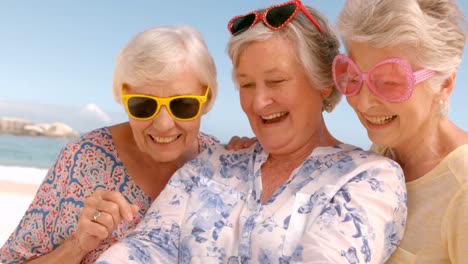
23, 127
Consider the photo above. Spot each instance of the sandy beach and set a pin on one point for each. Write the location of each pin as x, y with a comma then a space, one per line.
17, 189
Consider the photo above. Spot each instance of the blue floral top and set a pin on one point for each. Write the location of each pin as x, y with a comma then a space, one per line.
342, 205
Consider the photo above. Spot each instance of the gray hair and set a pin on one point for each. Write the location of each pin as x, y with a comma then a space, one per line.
432, 31
158, 54
314, 50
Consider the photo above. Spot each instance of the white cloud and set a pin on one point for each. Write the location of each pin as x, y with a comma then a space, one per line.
94, 110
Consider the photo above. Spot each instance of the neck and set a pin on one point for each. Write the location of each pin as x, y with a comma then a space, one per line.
295, 157
168, 168
427, 149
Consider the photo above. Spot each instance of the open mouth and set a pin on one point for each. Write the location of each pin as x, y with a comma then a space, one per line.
165, 140
274, 118
380, 120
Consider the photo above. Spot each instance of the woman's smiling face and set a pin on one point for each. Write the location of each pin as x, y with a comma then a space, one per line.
390, 124
283, 108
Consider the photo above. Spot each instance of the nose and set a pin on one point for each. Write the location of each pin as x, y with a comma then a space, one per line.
262, 98
163, 121
365, 98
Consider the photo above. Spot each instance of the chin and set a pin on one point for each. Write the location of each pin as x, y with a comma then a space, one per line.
165, 157
379, 139
273, 146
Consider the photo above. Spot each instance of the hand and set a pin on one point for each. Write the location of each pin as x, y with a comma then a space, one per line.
102, 212
237, 143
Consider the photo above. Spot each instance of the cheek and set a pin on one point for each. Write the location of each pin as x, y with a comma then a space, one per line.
352, 101
245, 100
138, 127
191, 128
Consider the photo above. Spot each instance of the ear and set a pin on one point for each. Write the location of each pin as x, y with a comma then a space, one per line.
124, 87
326, 92
447, 86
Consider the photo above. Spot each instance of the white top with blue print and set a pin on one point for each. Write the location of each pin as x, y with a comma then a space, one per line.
342, 205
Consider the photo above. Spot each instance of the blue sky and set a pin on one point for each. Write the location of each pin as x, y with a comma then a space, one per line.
57, 59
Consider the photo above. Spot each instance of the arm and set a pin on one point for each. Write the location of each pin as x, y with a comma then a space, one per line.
57, 228
32, 237
363, 223
69, 251
156, 238
90, 233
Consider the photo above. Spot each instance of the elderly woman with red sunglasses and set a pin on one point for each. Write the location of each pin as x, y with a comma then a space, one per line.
299, 194
102, 183
398, 76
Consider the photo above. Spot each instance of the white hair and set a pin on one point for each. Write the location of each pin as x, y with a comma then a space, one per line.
433, 32
159, 53
314, 50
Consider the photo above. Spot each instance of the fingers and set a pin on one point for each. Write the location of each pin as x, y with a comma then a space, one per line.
237, 143
111, 206
117, 205
101, 214
249, 141
99, 228
135, 209
232, 143
108, 214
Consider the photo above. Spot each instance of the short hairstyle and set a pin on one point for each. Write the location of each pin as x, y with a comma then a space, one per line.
314, 50
432, 31
159, 53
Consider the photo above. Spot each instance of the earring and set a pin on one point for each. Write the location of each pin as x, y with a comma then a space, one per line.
441, 102
328, 107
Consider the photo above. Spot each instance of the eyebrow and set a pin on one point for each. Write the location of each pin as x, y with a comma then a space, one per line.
274, 70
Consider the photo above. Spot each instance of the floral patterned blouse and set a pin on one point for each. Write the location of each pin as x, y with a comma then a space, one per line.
88, 163
342, 205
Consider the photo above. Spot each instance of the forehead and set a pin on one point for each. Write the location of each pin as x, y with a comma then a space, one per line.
366, 56
183, 82
277, 53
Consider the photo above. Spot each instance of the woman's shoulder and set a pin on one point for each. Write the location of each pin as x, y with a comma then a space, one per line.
457, 163
374, 154
217, 159
100, 137
365, 160
206, 140
91, 144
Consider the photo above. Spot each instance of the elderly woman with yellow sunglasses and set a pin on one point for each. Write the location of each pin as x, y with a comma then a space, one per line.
297, 196
102, 183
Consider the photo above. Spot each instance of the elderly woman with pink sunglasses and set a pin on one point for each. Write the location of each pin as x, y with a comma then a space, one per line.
298, 194
398, 76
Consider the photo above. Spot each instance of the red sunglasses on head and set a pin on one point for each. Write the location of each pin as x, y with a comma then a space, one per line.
275, 17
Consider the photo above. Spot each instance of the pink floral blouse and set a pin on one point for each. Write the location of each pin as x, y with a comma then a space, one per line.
84, 165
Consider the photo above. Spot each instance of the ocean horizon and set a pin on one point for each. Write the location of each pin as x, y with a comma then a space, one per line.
29, 151
24, 161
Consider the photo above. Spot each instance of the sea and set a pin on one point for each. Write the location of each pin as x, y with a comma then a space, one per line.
29, 152
26, 159
24, 162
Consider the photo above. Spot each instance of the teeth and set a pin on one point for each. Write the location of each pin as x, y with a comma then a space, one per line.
273, 116
381, 119
164, 140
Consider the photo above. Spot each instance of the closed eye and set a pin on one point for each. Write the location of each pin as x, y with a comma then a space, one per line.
275, 82
246, 85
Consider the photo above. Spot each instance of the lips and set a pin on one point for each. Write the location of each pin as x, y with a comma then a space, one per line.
164, 140
380, 120
273, 118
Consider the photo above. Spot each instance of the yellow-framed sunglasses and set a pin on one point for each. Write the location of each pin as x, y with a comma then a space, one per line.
181, 107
